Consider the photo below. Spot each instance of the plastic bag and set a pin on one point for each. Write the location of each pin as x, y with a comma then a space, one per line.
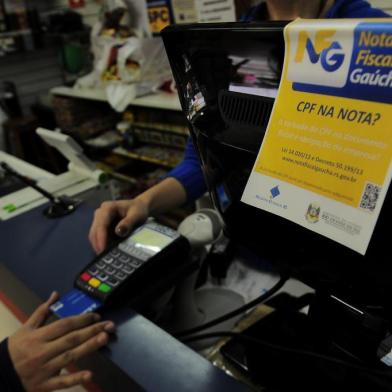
126, 67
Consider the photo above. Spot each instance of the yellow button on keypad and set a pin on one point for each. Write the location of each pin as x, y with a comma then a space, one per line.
94, 282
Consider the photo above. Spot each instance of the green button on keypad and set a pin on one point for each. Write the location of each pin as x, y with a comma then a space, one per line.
104, 288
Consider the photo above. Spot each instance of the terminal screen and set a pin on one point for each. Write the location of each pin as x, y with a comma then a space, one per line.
150, 240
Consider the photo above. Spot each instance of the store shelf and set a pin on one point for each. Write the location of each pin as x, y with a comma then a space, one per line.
114, 174
16, 33
93, 94
125, 153
157, 101
172, 128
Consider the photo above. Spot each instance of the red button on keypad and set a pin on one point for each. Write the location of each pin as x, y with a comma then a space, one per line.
85, 276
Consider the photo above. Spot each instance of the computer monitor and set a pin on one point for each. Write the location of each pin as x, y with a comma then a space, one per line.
227, 76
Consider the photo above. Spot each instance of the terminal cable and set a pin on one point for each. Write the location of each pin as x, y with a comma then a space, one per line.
289, 350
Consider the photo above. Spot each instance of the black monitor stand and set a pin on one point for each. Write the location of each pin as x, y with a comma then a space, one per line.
298, 345
58, 207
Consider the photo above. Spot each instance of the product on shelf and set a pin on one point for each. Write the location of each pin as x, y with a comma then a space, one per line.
82, 117
16, 15
115, 24
150, 135
3, 17
169, 156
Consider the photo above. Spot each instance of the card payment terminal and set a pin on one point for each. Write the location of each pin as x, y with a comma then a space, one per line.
132, 263
126, 270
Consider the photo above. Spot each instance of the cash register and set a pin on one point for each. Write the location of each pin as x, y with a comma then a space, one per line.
227, 76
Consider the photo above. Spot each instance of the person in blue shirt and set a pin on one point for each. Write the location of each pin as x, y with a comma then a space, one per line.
185, 182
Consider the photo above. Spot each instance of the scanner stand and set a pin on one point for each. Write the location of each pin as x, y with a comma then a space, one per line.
191, 308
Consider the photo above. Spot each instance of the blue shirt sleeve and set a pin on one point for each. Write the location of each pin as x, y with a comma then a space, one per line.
354, 9
189, 173
340, 9
9, 380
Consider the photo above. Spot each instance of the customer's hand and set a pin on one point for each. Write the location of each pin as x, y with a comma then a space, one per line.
129, 212
40, 352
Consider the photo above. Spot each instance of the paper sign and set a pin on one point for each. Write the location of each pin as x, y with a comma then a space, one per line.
215, 11
325, 161
158, 15
184, 11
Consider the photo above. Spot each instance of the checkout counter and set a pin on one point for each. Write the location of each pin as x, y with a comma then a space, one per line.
39, 255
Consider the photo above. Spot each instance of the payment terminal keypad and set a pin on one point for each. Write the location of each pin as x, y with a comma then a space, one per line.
108, 273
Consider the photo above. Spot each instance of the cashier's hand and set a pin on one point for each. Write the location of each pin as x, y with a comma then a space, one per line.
40, 352
128, 212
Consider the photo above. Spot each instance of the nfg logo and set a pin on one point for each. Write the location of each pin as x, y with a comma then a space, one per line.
320, 56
